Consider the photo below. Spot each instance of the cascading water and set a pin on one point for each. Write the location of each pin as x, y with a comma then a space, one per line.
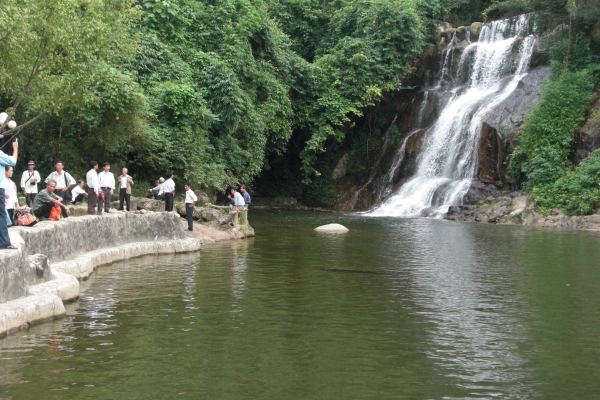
447, 163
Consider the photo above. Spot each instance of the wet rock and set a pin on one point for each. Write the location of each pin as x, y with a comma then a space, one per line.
210, 214
151, 205
475, 31
448, 34
341, 167
461, 33
332, 228
488, 154
480, 191
587, 138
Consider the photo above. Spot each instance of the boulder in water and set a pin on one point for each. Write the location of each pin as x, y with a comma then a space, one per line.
332, 228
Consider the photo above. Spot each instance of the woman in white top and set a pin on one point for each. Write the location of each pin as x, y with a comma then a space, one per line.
11, 201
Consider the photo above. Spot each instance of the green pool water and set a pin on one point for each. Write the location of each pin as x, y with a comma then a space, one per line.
394, 309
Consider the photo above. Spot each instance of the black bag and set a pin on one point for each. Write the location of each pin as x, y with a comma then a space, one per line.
66, 195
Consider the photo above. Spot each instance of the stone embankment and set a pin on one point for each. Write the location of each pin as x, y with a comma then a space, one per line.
38, 278
516, 208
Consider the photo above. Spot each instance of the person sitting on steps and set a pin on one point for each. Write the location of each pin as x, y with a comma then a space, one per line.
45, 200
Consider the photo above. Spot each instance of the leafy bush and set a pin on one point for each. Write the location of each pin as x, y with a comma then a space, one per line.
546, 142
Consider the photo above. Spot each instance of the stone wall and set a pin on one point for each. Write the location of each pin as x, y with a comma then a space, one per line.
52, 256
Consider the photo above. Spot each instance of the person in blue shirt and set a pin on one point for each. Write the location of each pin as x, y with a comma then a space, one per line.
5, 161
246, 195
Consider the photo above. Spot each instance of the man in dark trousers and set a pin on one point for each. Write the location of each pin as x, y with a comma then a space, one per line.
168, 189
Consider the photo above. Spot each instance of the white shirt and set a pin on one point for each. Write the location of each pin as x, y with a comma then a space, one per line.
167, 187
60, 179
238, 200
106, 179
11, 189
190, 197
92, 180
76, 192
26, 181
123, 182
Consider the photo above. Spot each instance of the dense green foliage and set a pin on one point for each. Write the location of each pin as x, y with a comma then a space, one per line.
542, 161
270, 91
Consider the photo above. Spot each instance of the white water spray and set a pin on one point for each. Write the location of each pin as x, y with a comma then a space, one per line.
447, 163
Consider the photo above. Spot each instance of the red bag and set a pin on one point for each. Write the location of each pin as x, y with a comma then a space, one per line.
55, 213
102, 198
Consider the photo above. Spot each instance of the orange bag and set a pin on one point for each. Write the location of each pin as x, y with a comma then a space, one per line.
55, 213
26, 220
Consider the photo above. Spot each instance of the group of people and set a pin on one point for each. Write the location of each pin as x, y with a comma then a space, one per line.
100, 188
58, 192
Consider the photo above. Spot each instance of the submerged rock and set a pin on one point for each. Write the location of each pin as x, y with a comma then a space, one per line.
377, 271
332, 228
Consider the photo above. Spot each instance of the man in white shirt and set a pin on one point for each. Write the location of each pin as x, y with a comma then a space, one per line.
5, 161
10, 193
238, 202
63, 180
107, 185
190, 201
125, 182
29, 183
93, 187
78, 193
168, 188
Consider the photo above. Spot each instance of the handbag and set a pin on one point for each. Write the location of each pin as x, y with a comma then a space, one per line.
68, 196
26, 220
55, 213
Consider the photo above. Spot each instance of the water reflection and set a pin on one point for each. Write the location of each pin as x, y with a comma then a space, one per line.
412, 309
468, 298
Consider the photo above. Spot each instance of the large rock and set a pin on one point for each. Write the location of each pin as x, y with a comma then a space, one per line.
332, 228
341, 166
150, 205
587, 139
475, 31
210, 214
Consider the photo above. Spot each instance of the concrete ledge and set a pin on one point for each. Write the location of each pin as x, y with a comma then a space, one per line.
35, 280
82, 266
22, 313
64, 286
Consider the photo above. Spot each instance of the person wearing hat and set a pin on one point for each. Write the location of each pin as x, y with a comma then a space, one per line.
29, 183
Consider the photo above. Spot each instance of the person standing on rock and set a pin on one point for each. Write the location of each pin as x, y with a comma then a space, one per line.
125, 183
6, 161
93, 187
168, 188
45, 200
29, 183
63, 180
11, 202
107, 186
245, 195
190, 202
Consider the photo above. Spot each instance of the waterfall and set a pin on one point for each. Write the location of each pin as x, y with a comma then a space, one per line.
447, 163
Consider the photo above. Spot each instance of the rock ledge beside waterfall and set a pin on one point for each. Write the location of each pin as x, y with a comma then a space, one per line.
516, 208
